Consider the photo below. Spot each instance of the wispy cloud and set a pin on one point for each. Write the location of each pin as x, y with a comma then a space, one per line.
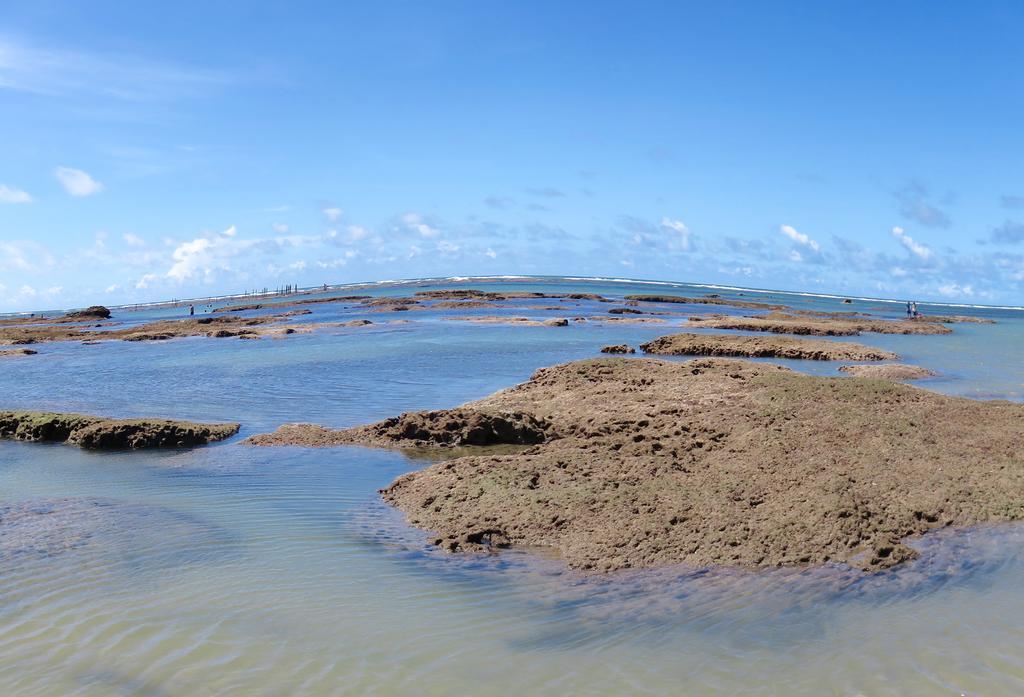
1010, 232
681, 233
61, 72
800, 238
915, 203
916, 248
1011, 202
9, 195
546, 192
499, 202
416, 223
77, 182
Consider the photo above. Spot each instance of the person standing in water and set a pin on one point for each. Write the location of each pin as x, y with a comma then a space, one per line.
191, 310
913, 308
909, 314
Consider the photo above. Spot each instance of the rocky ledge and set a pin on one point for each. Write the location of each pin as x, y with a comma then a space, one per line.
445, 428
763, 347
888, 371
618, 348
782, 323
96, 432
18, 352
642, 463
722, 462
704, 300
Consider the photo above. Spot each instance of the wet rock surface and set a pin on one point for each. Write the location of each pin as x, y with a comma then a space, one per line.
18, 352
782, 323
618, 348
445, 428
888, 371
722, 462
762, 347
93, 312
704, 300
99, 433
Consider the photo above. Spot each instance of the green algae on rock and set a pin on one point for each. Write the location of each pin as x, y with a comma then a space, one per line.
99, 433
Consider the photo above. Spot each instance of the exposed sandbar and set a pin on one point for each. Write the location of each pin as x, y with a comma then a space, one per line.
97, 432
763, 347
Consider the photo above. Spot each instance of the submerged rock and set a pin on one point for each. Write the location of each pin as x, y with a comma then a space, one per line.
96, 432
721, 462
44, 528
18, 352
762, 347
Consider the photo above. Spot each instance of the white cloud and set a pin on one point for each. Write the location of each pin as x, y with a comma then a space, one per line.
357, 232
133, 240
446, 247
113, 288
682, 232
280, 228
9, 195
916, 248
799, 237
76, 182
145, 281
333, 214
955, 290
190, 258
490, 253
414, 221
20, 255
795, 255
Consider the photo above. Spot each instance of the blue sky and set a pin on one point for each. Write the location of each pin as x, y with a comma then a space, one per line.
188, 149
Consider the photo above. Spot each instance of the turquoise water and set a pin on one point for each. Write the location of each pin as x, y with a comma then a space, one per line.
235, 570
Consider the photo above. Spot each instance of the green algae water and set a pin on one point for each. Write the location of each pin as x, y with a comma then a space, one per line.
231, 570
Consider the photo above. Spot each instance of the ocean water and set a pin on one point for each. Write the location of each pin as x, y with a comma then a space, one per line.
231, 570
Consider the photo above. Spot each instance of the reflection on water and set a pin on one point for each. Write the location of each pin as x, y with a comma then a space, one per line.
234, 570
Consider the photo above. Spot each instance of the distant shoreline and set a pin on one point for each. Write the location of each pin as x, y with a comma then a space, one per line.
461, 280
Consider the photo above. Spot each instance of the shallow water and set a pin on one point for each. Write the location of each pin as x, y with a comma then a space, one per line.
236, 570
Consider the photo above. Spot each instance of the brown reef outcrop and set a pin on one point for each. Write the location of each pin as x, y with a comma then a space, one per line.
99, 433
643, 463
763, 347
